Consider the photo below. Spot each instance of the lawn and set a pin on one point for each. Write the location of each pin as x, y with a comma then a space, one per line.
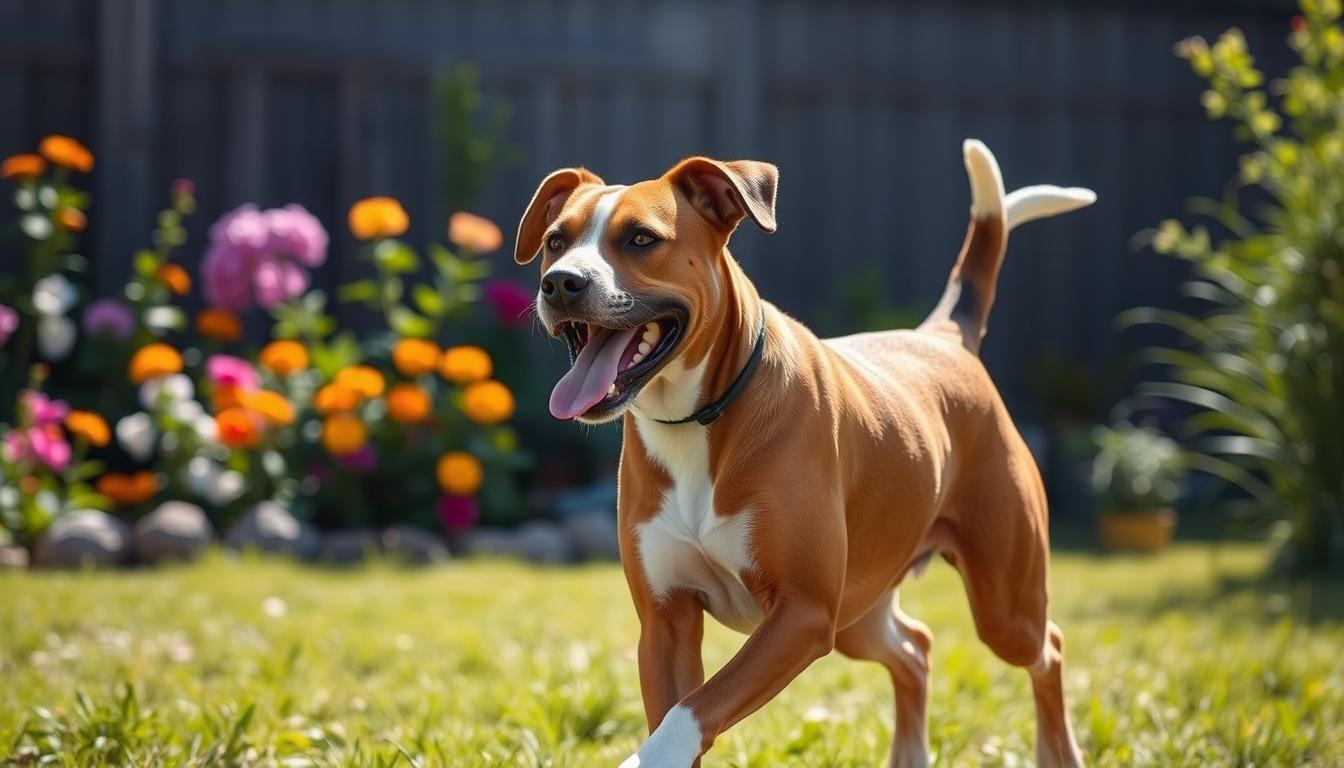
1178, 659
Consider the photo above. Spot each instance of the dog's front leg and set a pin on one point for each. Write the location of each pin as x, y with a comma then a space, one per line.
670, 666
796, 632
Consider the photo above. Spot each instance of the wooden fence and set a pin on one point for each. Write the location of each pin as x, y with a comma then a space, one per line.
863, 105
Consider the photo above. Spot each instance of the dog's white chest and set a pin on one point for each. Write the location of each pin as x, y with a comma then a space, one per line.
686, 545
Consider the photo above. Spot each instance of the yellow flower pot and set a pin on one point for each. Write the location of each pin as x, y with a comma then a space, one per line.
1136, 531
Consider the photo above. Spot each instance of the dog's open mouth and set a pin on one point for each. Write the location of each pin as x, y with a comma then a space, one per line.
610, 365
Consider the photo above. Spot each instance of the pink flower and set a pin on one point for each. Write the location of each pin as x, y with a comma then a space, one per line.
511, 301
458, 513
9, 322
230, 371
111, 317
362, 461
50, 447
297, 234
16, 447
261, 257
42, 410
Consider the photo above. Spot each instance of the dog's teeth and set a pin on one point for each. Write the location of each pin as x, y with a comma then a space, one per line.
644, 347
635, 359
652, 332
652, 328
612, 389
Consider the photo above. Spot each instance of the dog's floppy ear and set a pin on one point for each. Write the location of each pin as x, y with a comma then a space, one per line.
545, 206
728, 191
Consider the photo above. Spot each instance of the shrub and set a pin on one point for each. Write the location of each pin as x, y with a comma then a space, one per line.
1262, 366
1136, 469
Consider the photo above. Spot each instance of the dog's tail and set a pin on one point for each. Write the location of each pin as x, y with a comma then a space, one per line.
963, 311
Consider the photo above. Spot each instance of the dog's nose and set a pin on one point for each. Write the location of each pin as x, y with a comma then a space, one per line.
561, 287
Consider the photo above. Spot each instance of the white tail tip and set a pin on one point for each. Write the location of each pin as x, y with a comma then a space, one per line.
986, 181
1042, 200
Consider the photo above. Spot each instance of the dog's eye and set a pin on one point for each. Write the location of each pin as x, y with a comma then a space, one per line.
643, 239
555, 244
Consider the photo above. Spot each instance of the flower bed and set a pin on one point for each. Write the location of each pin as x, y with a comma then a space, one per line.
141, 404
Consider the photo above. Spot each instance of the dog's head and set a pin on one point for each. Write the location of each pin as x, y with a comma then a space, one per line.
631, 277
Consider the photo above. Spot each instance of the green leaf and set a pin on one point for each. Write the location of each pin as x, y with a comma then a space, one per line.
392, 290
341, 351
428, 300
360, 290
396, 257
409, 324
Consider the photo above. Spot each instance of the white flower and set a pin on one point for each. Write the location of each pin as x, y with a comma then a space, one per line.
207, 480
228, 486
137, 435
53, 295
165, 318
167, 390
206, 428
55, 337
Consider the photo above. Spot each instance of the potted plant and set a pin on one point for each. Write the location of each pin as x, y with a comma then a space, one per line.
1137, 477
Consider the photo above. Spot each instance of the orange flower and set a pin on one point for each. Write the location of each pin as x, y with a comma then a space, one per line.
238, 428
465, 365
128, 490
343, 434
226, 397
90, 426
368, 382
72, 219
63, 150
154, 360
487, 402
284, 357
335, 398
22, 167
414, 357
408, 404
219, 325
377, 217
176, 278
272, 407
459, 473
475, 233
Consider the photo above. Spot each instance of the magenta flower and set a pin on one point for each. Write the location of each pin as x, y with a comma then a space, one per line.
50, 447
296, 234
111, 317
230, 371
458, 513
278, 281
42, 410
511, 301
363, 460
9, 322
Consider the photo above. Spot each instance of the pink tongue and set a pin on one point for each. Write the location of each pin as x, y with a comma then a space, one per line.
593, 373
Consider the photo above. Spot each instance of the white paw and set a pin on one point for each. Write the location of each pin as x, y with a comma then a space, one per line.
674, 744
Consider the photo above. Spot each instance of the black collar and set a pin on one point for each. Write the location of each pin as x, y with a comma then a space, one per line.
715, 409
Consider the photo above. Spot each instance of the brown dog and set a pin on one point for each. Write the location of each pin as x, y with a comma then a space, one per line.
783, 483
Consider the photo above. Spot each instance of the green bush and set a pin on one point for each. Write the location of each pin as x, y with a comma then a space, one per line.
1137, 469
1261, 362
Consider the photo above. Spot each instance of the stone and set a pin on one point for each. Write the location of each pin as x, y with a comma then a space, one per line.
488, 542
13, 558
347, 547
543, 542
593, 535
86, 537
175, 530
270, 528
410, 544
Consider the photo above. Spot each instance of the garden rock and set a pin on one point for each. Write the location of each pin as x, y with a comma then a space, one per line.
87, 537
414, 545
175, 530
270, 528
489, 542
13, 558
593, 535
543, 542
347, 547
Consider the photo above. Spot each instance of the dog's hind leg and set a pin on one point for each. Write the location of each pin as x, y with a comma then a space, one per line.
902, 645
1003, 556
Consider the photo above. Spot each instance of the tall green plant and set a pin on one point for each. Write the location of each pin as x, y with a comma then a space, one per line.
1263, 363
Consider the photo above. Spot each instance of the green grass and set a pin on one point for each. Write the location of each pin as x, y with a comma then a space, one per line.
1180, 659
